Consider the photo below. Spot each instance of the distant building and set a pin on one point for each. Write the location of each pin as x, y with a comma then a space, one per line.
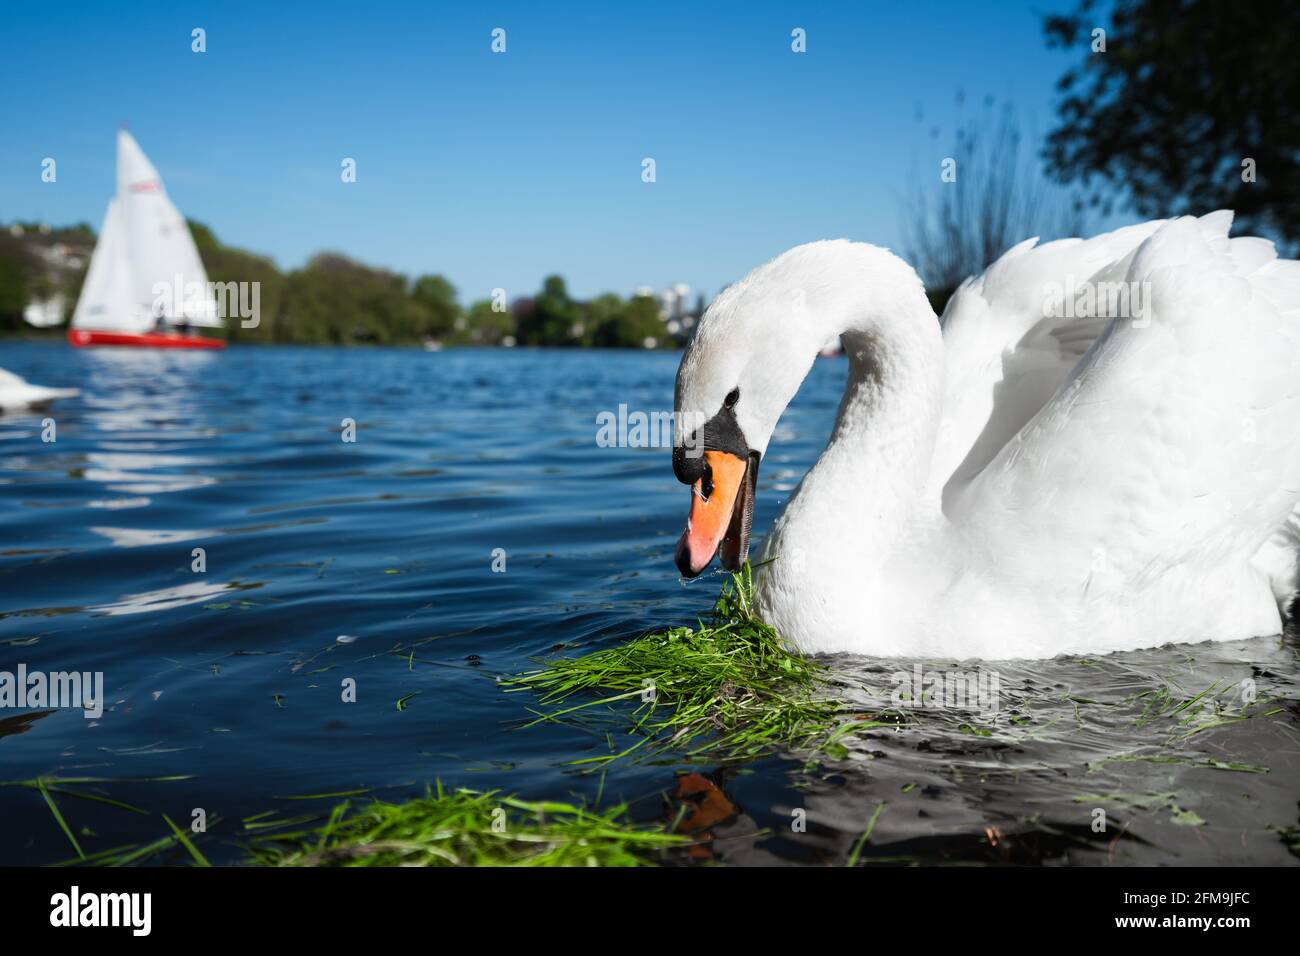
672, 302
676, 313
44, 313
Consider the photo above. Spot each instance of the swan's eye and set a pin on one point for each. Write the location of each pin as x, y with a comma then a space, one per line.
732, 397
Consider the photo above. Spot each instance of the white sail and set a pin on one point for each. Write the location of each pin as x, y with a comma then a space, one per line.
166, 270
145, 266
106, 302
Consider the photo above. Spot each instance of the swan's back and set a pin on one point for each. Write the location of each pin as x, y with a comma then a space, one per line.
1157, 462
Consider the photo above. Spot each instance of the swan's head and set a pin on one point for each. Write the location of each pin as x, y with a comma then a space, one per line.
750, 353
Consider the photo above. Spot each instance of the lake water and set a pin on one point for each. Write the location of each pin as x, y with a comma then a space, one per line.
373, 560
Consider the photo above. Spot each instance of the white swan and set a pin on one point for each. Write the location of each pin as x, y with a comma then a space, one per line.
1019, 482
16, 392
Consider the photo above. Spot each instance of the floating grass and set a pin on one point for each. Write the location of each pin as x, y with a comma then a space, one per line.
63, 824
469, 828
185, 841
861, 841
729, 688
136, 852
48, 786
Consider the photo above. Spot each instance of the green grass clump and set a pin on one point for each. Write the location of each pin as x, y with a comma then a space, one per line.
730, 688
469, 828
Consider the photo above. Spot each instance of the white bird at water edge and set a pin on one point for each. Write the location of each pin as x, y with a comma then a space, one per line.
1037, 473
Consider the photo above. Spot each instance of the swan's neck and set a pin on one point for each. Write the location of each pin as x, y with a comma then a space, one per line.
854, 507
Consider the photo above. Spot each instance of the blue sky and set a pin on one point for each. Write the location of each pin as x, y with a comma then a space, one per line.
497, 170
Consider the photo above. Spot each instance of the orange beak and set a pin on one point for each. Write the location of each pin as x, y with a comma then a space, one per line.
722, 510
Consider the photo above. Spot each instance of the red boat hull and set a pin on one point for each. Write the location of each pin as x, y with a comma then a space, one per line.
147, 340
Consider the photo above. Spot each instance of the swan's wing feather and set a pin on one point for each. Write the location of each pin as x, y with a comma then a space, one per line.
1171, 445
1010, 342
1073, 339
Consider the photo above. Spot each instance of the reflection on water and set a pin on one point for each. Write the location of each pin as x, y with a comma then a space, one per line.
372, 560
141, 483
143, 537
165, 599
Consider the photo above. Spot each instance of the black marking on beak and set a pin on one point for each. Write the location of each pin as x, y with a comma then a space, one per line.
720, 433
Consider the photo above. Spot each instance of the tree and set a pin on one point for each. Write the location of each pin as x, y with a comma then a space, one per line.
553, 318
438, 298
227, 264
14, 269
1194, 105
483, 325
337, 300
599, 316
633, 326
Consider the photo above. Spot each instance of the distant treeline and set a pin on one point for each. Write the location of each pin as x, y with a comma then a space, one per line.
336, 300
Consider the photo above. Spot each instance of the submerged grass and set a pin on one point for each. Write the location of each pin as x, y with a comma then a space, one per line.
47, 787
469, 828
730, 689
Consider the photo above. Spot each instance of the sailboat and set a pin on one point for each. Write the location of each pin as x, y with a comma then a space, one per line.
146, 285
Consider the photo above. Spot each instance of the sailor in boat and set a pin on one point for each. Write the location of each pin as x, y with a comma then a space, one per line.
165, 326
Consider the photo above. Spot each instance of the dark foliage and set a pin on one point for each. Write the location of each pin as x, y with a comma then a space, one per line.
1185, 92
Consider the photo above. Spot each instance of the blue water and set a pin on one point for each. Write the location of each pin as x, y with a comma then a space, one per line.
373, 560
